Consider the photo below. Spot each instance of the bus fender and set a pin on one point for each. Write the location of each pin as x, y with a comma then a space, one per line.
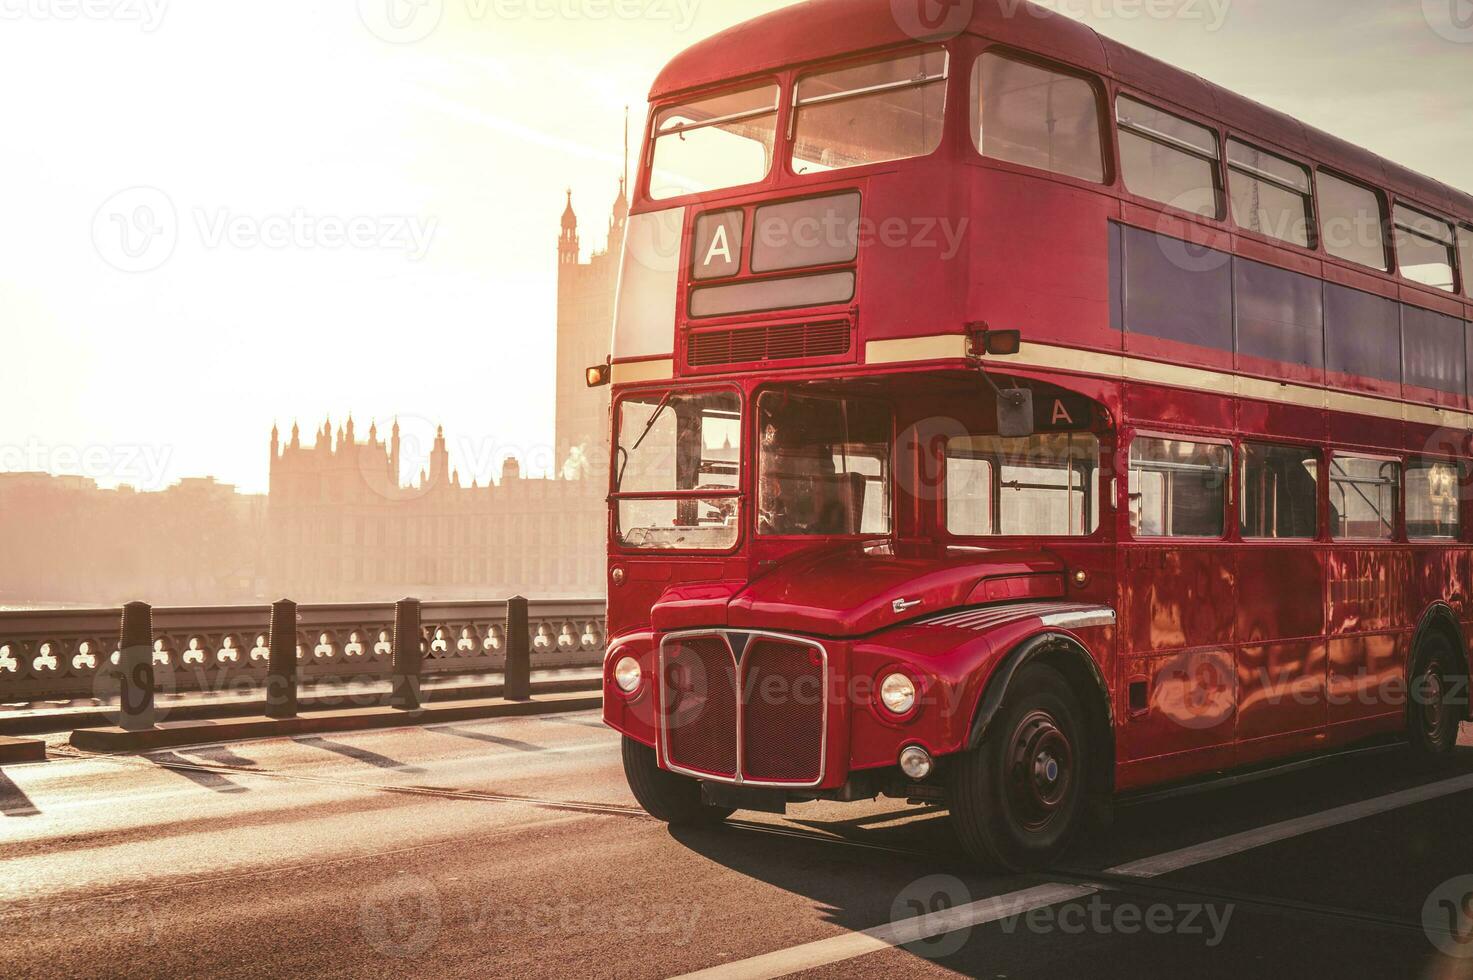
1058, 644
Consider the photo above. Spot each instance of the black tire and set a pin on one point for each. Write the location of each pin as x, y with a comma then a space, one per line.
1436, 702
1013, 810
666, 796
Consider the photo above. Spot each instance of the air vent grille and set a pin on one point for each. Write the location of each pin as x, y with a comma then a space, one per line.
782, 342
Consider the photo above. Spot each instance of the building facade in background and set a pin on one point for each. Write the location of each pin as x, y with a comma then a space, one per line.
65, 541
345, 527
340, 523
585, 326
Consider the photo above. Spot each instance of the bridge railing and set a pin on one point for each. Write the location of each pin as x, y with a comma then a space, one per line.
66, 654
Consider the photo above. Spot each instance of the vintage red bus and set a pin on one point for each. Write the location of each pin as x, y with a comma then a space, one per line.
1006, 419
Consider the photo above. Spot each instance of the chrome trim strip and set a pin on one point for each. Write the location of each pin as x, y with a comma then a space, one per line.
739, 779
718, 121
1062, 614
1081, 619
854, 93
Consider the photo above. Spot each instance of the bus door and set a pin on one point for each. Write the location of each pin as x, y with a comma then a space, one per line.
1179, 592
1281, 608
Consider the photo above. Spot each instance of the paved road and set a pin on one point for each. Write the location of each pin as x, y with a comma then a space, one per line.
512, 848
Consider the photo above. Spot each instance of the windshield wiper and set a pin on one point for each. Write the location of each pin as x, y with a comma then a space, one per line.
654, 417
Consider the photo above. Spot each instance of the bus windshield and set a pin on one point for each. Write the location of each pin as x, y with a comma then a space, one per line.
824, 465
678, 470
725, 141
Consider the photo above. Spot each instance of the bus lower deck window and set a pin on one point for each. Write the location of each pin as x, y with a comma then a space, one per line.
1042, 485
1178, 489
1433, 500
1280, 491
1363, 492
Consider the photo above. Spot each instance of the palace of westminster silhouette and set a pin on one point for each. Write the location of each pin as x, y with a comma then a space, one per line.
339, 524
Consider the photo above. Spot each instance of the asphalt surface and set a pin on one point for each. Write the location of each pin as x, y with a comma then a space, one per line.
512, 848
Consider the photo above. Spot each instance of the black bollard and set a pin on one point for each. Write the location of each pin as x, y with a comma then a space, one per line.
135, 668
281, 675
408, 655
518, 685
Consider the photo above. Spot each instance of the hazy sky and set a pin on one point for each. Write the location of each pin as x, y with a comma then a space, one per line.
352, 205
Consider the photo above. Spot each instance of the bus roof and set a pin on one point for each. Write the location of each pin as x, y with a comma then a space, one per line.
817, 30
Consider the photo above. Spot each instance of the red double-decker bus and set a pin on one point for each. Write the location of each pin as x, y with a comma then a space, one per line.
1004, 418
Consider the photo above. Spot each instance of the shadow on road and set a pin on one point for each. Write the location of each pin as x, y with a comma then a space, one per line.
359, 755
13, 800
509, 743
214, 781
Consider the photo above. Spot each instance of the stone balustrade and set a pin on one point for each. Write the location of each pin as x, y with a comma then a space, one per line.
58, 654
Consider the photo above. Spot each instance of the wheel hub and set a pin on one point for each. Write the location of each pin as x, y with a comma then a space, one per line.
1432, 705
1041, 768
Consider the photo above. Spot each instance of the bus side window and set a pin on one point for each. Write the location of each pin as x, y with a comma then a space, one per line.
1178, 489
1280, 491
1363, 492
1432, 500
1029, 115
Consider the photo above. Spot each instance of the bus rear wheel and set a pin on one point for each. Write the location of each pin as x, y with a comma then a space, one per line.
1435, 709
1018, 799
666, 796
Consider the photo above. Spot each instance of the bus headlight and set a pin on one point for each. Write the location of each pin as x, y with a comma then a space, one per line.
898, 693
627, 674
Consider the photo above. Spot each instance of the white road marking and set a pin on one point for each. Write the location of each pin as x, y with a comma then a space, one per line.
824, 952
1247, 840
848, 946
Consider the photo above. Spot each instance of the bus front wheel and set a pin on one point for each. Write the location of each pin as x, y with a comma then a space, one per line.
666, 796
1018, 798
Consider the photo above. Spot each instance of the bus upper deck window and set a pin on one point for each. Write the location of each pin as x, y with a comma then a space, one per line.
1270, 195
1352, 219
1465, 250
874, 113
725, 141
1168, 159
1025, 114
1424, 248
